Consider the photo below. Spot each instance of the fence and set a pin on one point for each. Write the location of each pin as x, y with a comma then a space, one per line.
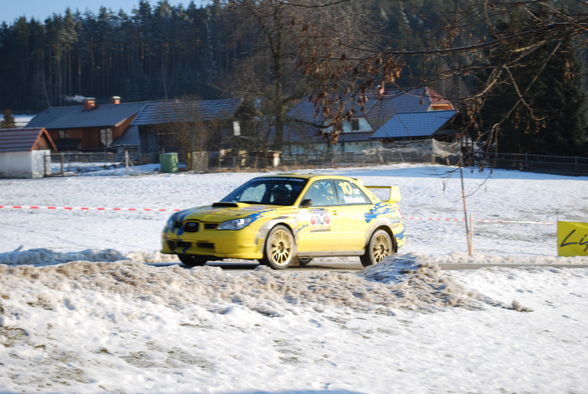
80, 162
562, 165
430, 151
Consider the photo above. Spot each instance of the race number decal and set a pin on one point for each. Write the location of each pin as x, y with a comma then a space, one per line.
346, 188
351, 194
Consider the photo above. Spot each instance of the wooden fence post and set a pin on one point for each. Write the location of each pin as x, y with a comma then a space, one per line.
61, 160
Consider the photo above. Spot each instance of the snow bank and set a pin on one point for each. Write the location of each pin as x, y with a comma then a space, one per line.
398, 283
125, 326
46, 256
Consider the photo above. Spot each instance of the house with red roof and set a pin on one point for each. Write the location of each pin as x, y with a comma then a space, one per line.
146, 127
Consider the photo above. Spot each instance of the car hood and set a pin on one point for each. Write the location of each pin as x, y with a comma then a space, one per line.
220, 212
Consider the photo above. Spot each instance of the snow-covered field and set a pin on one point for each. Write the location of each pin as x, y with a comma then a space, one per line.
87, 303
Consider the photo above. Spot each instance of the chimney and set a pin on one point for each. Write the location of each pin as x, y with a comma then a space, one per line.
115, 99
89, 104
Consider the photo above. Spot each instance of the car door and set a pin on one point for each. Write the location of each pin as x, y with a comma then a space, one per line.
353, 206
320, 222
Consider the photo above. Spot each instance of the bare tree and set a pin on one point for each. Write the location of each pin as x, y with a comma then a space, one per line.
482, 42
272, 32
187, 129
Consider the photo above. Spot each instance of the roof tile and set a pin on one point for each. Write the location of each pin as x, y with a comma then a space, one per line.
69, 117
21, 139
170, 111
420, 124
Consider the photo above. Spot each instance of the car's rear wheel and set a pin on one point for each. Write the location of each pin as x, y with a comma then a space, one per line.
378, 248
192, 261
279, 248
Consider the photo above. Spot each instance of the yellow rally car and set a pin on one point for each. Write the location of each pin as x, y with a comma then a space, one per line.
288, 219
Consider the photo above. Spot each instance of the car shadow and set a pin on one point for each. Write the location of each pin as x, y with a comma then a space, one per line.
236, 265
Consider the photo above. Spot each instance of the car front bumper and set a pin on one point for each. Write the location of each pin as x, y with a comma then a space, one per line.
235, 244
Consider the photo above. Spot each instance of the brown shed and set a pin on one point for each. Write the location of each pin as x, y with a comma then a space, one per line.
24, 152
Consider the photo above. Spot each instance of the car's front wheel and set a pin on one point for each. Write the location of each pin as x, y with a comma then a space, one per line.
192, 261
379, 247
279, 248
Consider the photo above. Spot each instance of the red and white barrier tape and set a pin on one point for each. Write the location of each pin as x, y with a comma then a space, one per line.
54, 208
476, 220
38, 207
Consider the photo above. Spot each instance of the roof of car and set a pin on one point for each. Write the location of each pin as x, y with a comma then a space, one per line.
304, 175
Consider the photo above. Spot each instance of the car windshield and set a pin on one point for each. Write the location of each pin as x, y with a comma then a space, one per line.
267, 190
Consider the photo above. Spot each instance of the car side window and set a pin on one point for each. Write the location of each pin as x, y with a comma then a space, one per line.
282, 194
350, 194
322, 193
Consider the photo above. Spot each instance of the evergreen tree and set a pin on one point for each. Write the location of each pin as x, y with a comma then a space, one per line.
220, 50
8, 121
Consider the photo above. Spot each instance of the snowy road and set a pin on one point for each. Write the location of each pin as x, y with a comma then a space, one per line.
343, 266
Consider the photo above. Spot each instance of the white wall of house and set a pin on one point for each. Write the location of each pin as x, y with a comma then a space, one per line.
39, 166
23, 164
318, 149
357, 125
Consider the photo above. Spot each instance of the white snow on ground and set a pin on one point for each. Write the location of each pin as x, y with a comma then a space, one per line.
80, 311
427, 191
101, 168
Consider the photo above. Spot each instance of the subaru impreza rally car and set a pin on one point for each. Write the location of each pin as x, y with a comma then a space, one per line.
287, 219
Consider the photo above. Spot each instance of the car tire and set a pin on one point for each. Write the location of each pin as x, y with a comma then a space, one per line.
380, 245
192, 261
280, 248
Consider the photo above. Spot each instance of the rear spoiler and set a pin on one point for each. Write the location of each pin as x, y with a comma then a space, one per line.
393, 192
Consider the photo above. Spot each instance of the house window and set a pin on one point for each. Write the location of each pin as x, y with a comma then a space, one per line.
354, 124
106, 137
64, 133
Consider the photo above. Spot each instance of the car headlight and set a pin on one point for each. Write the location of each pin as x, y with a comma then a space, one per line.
235, 224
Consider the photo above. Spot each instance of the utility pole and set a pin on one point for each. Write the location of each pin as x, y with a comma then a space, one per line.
468, 221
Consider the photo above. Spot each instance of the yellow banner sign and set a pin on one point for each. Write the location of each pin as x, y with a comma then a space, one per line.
572, 239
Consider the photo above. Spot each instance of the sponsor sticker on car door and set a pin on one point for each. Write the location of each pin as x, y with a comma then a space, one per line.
320, 220
321, 224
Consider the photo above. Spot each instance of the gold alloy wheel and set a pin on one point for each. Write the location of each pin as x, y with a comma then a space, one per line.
281, 246
381, 247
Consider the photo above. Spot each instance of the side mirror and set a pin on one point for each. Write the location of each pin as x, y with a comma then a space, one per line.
307, 202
